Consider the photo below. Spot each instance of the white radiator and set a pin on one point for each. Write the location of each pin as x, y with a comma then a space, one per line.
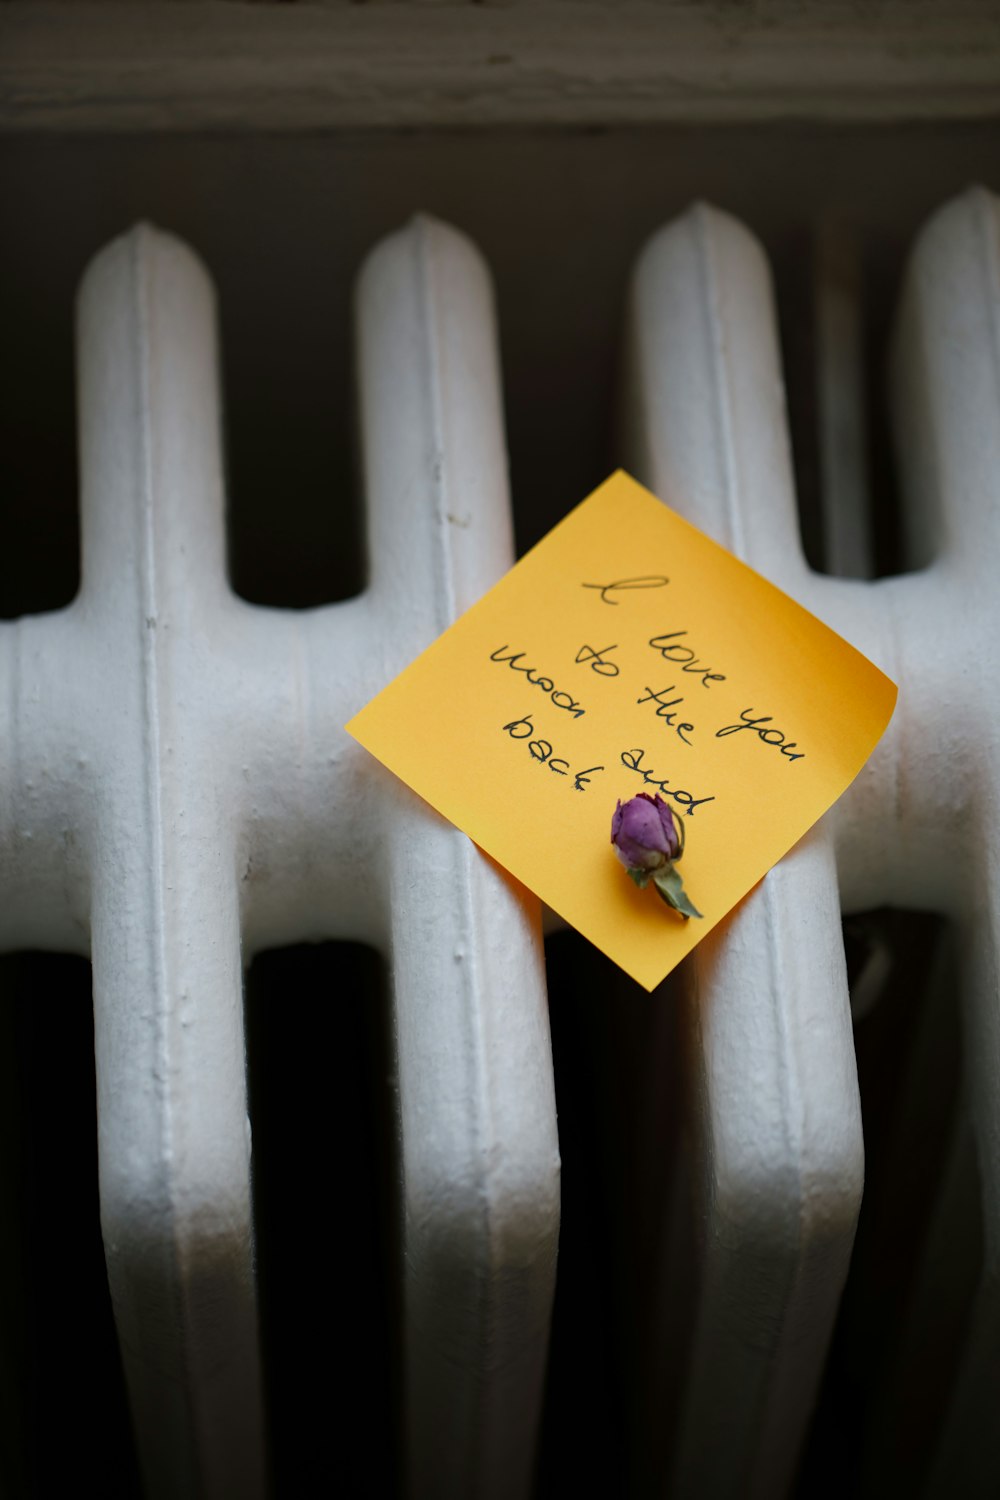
177, 793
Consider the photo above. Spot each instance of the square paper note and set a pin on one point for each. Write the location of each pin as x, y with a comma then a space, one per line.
629, 653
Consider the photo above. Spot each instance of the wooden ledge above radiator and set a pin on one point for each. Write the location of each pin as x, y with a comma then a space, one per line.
165, 67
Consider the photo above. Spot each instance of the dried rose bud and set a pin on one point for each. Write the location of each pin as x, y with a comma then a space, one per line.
644, 834
648, 837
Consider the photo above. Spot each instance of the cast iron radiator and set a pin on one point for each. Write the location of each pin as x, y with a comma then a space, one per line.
177, 794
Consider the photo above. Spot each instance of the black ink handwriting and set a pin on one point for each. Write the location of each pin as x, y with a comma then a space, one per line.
768, 736
665, 710
633, 760
542, 750
672, 650
598, 660
648, 581
559, 699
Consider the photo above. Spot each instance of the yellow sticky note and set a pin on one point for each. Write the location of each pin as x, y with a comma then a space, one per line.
628, 653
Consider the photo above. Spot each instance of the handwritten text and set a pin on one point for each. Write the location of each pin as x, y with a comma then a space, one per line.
542, 750
650, 581
597, 660
559, 699
665, 711
633, 760
768, 736
673, 650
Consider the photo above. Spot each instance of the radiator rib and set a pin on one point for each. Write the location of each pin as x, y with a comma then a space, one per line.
180, 770
779, 1154
779, 1162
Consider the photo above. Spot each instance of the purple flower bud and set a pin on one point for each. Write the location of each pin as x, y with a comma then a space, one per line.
644, 834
